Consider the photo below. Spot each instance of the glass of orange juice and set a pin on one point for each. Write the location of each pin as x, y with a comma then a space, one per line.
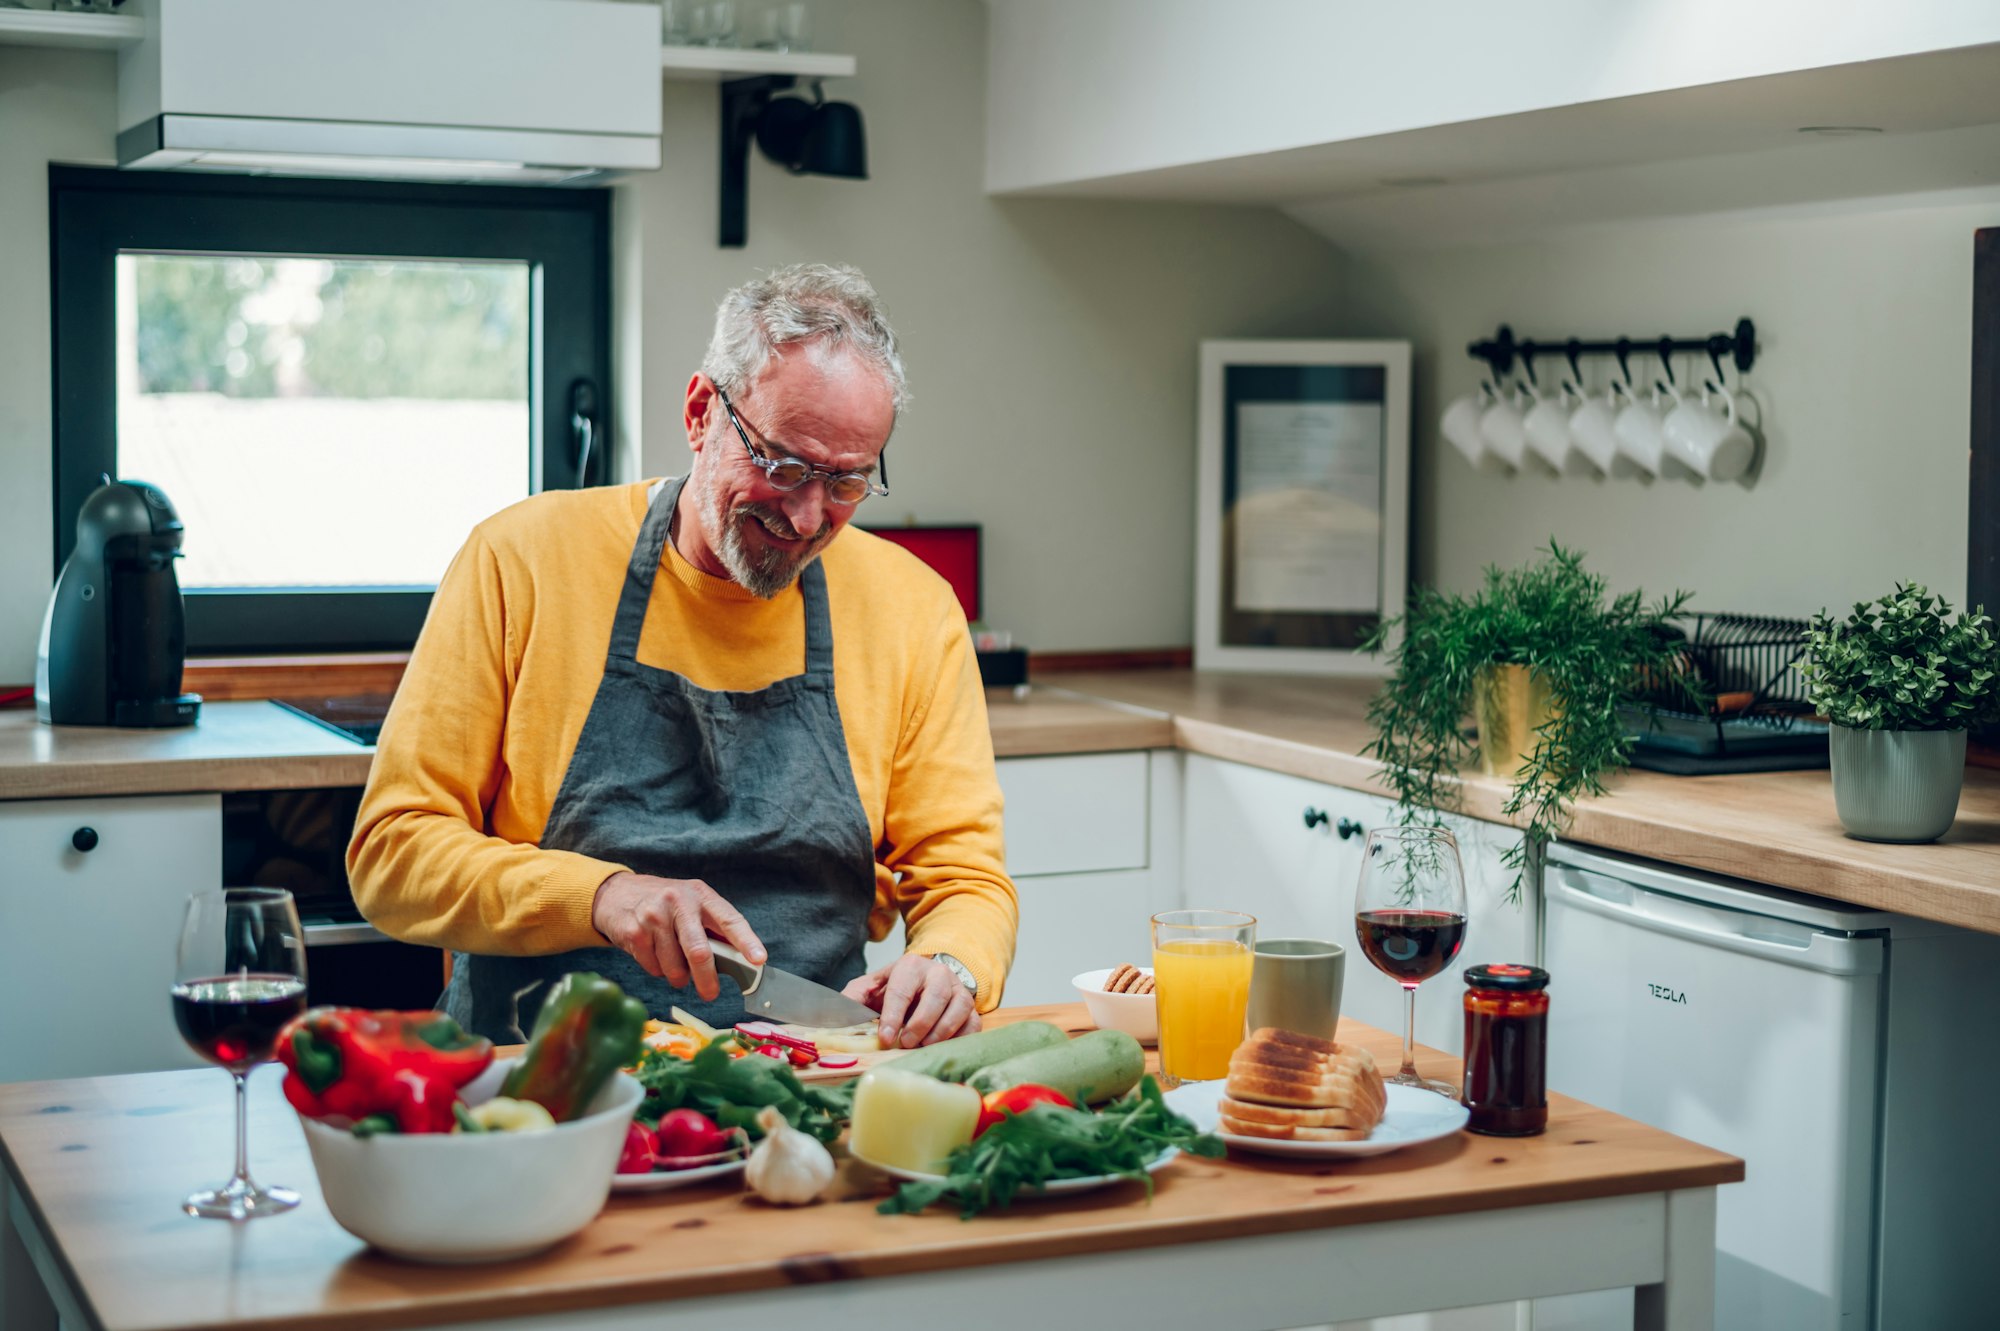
1201, 976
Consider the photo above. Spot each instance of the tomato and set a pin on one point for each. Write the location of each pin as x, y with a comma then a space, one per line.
1016, 1100
637, 1157
687, 1132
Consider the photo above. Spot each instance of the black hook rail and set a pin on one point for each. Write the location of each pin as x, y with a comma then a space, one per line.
1503, 349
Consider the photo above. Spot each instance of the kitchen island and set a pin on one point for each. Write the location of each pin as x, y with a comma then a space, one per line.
94, 1170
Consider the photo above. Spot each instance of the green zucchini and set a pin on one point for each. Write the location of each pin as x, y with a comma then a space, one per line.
955, 1060
1094, 1067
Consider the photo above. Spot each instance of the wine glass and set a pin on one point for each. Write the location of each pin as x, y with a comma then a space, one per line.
241, 975
1409, 915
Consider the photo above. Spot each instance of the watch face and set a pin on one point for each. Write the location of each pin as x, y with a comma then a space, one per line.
958, 968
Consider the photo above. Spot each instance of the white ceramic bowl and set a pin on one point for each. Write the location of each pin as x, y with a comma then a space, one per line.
436, 1197
1134, 1014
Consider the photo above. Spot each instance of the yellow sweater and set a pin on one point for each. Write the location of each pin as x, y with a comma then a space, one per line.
445, 850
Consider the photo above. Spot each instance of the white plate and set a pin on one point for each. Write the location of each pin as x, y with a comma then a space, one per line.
1414, 1116
660, 1180
1053, 1188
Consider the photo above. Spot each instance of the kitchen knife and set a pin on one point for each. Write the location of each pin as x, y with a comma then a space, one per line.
771, 994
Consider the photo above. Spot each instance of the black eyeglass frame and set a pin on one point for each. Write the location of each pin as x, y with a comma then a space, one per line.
769, 466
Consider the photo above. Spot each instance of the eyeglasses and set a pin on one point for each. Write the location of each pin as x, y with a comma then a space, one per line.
842, 487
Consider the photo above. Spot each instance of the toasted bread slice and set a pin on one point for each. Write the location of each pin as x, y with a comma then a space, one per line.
1285, 1132
1279, 1116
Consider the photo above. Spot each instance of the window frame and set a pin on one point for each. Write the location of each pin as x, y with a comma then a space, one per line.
97, 213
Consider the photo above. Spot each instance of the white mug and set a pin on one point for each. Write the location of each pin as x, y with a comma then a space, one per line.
1638, 428
1592, 428
1712, 443
1460, 422
1547, 426
1503, 428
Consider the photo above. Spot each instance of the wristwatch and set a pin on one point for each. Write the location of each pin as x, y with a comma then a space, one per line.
957, 967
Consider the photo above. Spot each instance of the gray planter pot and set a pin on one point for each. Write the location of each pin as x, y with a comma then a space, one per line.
1897, 785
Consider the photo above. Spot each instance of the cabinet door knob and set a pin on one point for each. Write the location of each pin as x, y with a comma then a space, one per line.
84, 838
1348, 829
1316, 818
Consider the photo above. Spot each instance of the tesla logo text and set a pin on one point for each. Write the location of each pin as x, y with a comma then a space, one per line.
1666, 995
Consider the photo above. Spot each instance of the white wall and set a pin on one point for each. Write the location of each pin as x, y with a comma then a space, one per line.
1864, 317
1113, 87
1050, 344
55, 105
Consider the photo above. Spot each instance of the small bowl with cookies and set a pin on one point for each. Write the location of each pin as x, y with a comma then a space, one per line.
1120, 998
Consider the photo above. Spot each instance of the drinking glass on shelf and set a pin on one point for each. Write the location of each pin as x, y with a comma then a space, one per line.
240, 976
1201, 977
1409, 915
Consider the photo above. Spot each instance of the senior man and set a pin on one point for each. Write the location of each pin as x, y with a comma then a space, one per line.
640, 716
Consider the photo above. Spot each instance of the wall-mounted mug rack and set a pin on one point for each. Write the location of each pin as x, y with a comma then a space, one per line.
1502, 349
1644, 424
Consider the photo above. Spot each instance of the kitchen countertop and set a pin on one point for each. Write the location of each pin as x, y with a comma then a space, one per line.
1775, 828
101, 1164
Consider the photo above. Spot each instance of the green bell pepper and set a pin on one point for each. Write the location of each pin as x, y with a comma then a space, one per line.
587, 1029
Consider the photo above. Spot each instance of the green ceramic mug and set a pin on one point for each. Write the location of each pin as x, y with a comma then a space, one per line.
1295, 985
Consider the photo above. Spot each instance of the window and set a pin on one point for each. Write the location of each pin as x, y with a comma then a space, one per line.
333, 381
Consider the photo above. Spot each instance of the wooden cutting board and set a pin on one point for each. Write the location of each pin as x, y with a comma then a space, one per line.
862, 1063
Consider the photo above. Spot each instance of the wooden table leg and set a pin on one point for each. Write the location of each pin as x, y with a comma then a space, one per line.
1684, 1299
24, 1301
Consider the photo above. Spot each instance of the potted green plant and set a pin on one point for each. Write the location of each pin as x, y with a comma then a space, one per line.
1543, 659
1902, 680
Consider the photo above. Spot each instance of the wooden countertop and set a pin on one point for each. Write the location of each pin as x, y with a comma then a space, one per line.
104, 1162
236, 746
1775, 828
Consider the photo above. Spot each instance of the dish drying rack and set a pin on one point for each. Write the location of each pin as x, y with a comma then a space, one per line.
1759, 719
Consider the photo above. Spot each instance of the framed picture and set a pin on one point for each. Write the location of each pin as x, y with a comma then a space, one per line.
1302, 534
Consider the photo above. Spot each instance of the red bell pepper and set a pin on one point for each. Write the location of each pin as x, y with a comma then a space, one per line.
1017, 1100
381, 1068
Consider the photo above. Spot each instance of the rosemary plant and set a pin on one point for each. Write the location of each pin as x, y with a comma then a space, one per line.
1552, 616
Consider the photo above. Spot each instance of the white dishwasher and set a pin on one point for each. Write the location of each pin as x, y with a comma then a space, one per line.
1842, 1053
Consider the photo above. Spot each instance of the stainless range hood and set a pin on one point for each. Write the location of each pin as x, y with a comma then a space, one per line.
521, 91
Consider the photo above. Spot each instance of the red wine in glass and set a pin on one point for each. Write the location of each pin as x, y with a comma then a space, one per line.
234, 1020
1409, 917
239, 977
1410, 946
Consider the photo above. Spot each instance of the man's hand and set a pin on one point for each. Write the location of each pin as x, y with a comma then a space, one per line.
920, 1000
665, 922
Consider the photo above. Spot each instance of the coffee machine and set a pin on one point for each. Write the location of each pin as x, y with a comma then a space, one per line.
114, 639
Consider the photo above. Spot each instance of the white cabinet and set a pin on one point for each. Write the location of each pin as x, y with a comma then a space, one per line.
91, 895
1091, 846
1288, 851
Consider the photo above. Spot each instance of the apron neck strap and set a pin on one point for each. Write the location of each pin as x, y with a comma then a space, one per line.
651, 547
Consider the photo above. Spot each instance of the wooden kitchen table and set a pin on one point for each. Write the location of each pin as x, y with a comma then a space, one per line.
95, 1170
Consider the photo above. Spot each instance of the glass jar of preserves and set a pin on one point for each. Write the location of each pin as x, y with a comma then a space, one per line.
1506, 1049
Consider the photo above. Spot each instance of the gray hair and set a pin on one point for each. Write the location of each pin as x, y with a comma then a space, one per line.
805, 302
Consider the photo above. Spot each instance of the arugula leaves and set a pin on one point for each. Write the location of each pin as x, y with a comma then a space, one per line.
1024, 1151
731, 1091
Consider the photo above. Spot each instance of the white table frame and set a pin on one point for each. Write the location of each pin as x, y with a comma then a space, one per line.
1660, 1243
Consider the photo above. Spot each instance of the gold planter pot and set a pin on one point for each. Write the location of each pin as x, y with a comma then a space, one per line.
1510, 703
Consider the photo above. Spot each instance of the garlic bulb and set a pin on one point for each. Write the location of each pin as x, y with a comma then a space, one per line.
788, 1167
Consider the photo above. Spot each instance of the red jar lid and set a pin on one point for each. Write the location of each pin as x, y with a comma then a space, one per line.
1508, 976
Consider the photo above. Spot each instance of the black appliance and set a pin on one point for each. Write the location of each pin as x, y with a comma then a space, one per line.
114, 639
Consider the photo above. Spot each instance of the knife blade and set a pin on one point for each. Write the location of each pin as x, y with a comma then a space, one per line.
771, 994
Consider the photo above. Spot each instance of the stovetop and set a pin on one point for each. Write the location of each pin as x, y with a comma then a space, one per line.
357, 717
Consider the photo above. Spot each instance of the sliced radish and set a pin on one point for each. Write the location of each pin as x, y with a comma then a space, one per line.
756, 1030
771, 1050
835, 1062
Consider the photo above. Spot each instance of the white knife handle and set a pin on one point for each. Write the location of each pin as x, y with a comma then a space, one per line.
730, 962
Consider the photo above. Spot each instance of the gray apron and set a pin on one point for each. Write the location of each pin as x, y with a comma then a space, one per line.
752, 793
